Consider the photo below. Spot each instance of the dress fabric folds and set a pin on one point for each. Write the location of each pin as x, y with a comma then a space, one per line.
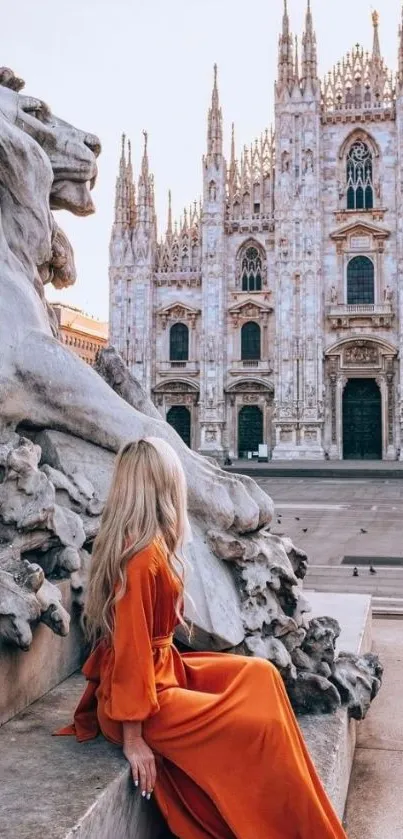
231, 760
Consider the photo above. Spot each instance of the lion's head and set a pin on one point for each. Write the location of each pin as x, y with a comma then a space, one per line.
72, 153
45, 164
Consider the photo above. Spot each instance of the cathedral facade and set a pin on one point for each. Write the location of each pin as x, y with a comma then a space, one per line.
273, 313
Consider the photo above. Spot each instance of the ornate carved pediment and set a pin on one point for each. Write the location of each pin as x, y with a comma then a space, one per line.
251, 386
364, 353
250, 309
178, 311
360, 236
177, 386
176, 393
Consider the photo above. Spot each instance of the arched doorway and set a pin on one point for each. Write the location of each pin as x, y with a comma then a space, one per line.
250, 429
179, 418
362, 420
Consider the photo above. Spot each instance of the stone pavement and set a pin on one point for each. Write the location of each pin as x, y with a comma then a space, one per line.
326, 516
375, 802
385, 587
334, 512
391, 469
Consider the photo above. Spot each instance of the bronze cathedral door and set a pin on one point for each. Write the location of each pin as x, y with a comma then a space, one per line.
250, 429
179, 418
362, 420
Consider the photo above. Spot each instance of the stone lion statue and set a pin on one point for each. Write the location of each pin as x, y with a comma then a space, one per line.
45, 165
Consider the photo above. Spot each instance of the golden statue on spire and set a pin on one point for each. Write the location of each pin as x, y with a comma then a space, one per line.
375, 18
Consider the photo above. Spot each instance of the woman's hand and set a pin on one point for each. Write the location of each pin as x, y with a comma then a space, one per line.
142, 762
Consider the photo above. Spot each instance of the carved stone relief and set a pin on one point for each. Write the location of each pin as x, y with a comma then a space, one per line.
212, 235
179, 312
250, 398
361, 354
391, 401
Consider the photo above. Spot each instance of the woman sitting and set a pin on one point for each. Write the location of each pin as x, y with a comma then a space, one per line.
212, 735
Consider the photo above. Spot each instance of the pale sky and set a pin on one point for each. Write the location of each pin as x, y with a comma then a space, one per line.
110, 66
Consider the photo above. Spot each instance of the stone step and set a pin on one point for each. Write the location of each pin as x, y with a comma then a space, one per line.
387, 606
388, 582
344, 470
383, 572
381, 605
386, 587
54, 786
344, 590
343, 586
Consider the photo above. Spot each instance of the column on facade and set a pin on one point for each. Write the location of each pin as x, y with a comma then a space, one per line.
131, 267
398, 390
299, 362
212, 407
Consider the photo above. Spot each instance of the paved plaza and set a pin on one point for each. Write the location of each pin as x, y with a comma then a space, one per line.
334, 513
327, 516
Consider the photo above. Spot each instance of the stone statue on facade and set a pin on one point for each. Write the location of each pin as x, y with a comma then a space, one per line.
61, 422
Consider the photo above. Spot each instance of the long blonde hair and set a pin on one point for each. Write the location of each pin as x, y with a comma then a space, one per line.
147, 499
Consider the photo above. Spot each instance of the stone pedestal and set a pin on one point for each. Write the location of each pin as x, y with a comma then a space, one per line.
331, 739
292, 451
298, 441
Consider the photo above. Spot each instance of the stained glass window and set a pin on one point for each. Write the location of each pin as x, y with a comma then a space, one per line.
251, 270
360, 191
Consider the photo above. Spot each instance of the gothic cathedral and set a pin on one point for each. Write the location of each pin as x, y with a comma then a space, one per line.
273, 314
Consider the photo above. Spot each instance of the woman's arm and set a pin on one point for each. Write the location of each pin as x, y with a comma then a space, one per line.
133, 690
140, 757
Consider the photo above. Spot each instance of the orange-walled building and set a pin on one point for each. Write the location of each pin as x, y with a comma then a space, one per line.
84, 334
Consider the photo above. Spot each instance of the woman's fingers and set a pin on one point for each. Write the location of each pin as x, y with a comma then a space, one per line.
135, 773
144, 775
150, 776
143, 779
153, 773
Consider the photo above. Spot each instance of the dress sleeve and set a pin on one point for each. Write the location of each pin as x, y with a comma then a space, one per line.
133, 692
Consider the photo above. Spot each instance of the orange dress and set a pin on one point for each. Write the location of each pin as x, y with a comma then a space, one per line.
231, 760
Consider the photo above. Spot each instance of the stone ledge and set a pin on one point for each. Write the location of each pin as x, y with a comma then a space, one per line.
54, 786
332, 739
88, 794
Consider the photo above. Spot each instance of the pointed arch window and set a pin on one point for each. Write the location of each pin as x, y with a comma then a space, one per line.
250, 341
360, 281
179, 342
251, 266
360, 190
